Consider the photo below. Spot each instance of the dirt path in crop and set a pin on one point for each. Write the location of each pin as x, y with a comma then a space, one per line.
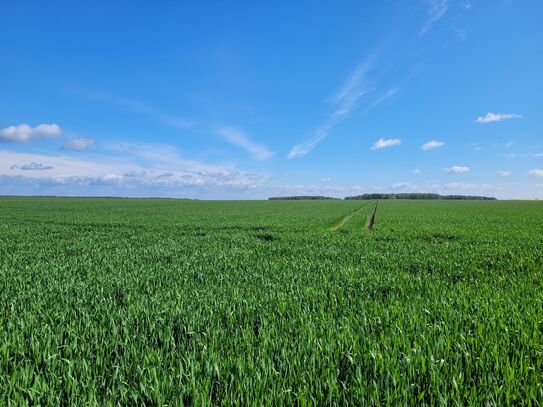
338, 225
371, 219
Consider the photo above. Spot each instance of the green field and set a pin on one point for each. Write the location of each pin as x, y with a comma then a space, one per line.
171, 302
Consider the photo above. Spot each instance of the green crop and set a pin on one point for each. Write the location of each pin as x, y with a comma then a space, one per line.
169, 302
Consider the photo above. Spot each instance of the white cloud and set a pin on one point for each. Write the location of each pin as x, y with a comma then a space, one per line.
78, 144
239, 139
325, 179
32, 166
382, 143
432, 144
457, 169
416, 171
436, 10
345, 100
503, 173
538, 172
24, 133
63, 166
538, 155
132, 166
497, 117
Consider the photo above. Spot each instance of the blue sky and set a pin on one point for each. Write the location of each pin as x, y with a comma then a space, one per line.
245, 100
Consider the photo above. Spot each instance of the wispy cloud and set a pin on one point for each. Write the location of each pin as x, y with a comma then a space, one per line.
503, 173
436, 10
403, 186
389, 94
239, 139
149, 153
468, 186
497, 117
385, 143
538, 172
139, 107
300, 150
78, 144
354, 87
24, 133
457, 169
31, 167
528, 155
432, 144
475, 146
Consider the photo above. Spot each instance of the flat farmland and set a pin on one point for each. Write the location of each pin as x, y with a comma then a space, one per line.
173, 302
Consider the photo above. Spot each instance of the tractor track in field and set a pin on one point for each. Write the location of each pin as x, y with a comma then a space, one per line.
371, 218
338, 225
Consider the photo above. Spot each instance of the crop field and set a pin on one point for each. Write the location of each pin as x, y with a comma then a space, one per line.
172, 302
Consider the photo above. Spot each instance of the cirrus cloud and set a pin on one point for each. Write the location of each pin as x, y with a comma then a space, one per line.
436, 10
345, 100
239, 139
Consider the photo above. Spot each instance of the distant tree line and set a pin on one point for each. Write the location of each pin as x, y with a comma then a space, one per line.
301, 197
418, 195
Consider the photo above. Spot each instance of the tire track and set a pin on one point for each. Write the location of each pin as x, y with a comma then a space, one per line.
371, 218
338, 225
